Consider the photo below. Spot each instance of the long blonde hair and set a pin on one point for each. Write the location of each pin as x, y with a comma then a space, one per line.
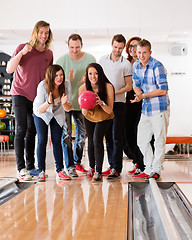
38, 25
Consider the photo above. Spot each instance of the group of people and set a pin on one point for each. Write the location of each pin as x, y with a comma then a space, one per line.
132, 106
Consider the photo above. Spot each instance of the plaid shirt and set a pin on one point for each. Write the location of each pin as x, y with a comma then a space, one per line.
149, 79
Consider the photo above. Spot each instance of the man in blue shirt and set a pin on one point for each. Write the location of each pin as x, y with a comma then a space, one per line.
150, 86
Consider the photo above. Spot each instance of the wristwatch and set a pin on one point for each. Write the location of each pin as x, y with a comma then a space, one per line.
48, 102
103, 103
143, 95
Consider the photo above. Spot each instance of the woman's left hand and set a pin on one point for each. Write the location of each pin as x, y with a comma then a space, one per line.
99, 101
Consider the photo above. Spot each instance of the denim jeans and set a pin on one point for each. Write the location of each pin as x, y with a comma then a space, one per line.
73, 154
42, 134
115, 137
24, 132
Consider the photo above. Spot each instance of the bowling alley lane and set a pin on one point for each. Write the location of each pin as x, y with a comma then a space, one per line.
77, 209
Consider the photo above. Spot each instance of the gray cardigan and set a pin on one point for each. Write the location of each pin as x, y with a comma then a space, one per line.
58, 111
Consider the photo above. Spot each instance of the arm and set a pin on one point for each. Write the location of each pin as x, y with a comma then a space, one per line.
66, 105
108, 106
13, 62
155, 93
82, 88
67, 98
43, 107
128, 86
139, 95
82, 79
70, 76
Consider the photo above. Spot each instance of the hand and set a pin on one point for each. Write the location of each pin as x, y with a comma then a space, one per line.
50, 98
82, 79
137, 98
63, 99
26, 49
99, 101
70, 76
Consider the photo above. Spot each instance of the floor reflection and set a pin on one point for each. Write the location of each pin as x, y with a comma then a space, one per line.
79, 208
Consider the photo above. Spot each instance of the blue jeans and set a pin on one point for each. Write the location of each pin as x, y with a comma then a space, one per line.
115, 137
73, 154
24, 132
42, 134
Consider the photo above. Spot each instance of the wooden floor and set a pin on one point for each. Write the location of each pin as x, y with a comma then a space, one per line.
77, 209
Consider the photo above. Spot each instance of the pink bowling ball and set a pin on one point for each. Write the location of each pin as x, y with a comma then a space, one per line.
87, 100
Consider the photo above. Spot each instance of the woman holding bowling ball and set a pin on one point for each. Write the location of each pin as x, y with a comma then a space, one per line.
98, 119
52, 100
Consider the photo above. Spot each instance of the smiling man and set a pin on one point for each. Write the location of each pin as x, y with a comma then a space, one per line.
119, 71
151, 87
29, 63
74, 64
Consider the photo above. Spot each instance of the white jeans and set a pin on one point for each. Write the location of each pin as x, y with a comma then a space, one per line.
148, 126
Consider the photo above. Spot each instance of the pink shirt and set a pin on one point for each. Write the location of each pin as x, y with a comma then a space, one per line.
30, 72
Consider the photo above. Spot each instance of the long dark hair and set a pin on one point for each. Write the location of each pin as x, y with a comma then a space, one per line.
102, 80
129, 57
50, 79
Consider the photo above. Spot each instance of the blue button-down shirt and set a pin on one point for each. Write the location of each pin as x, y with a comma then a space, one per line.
149, 79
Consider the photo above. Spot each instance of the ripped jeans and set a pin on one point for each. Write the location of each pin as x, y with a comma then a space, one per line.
73, 154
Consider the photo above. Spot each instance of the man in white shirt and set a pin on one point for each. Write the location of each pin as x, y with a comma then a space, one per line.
119, 72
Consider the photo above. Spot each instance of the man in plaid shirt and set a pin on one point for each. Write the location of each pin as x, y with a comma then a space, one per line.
150, 86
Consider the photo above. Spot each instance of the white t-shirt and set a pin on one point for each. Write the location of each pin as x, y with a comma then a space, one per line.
116, 73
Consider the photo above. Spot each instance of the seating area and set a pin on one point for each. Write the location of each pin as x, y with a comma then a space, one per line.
185, 140
3, 140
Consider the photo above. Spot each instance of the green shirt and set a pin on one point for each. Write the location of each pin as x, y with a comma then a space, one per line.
79, 68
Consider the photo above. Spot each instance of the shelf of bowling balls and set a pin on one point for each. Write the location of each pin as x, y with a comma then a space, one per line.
8, 117
7, 124
9, 129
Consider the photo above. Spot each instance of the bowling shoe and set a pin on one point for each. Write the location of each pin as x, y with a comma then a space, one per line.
107, 172
80, 168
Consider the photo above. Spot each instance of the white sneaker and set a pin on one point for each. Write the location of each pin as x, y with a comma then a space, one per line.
24, 175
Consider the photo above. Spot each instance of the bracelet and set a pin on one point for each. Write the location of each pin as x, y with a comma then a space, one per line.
143, 95
48, 102
103, 103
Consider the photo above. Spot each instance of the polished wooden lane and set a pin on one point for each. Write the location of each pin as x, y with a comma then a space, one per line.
75, 209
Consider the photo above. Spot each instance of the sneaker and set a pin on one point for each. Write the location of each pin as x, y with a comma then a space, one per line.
154, 175
63, 176
134, 169
41, 177
24, 175
97, 177
90, 173
142, 175
107, 172
34, 172
72, 173
137, 171
113, 174
80, 168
